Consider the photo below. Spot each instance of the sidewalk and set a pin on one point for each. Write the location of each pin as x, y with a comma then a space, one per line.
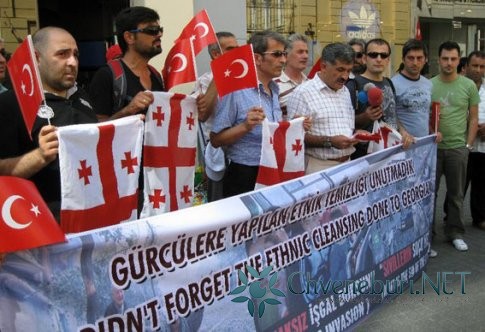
432, 312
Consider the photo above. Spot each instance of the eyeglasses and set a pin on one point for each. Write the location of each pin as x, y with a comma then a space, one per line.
152, 31
359, 55
277, 54
374, 55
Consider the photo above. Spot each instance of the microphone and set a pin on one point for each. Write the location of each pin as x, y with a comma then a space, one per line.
368, 86
362, 97
375, 96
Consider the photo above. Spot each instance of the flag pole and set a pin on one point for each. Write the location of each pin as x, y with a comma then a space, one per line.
257, 81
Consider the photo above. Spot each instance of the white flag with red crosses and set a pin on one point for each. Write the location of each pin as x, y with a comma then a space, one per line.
100, 166
282, 152
389, 137
169, 152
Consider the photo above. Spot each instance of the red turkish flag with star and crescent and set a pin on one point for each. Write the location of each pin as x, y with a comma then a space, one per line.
179, 65
200, 31
169, 151
235, 70
282, 152
26, 221
100, 167
25, 78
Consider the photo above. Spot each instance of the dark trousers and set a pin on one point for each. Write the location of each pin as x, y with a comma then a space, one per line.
477, 194
239, 179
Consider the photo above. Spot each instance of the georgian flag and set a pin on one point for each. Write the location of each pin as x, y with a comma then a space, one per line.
100, 166
389, 137
282, 152
169, 153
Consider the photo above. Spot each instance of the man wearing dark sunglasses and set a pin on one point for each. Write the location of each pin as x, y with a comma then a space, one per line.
123, 87
376, 58
358, 45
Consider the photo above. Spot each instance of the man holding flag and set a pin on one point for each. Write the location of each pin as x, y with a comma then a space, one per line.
239, 115
57, 59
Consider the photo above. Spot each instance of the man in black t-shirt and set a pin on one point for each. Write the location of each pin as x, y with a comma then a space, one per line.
58, 61
139, 36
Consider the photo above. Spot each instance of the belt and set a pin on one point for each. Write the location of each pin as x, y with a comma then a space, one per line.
341, 159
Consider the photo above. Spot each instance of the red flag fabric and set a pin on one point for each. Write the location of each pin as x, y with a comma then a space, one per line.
169, 150
235, 70
26, 221
179, 65
389, 137
26, 82
200, 31
282, 152
418, 35
315, 69
100, 167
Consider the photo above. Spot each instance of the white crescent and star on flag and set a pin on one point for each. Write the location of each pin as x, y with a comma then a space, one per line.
7, 213
27, 69
244, 65
204, 26
182, 67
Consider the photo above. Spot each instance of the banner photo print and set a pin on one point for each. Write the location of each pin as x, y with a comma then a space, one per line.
317, 253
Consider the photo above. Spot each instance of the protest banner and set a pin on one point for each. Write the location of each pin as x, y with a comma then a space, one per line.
320, 252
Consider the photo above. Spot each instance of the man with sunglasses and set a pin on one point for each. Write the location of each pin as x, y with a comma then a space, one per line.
376, 58
239, 115
358, 45
139, 36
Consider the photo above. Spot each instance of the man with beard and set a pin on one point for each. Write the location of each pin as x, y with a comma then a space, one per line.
122, 88
358, 45
57, 58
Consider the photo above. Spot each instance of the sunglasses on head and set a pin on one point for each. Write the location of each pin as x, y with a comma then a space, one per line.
277, 54
374, 55
359, 55
152, 31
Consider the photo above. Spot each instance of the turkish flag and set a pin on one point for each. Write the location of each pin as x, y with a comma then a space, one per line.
235, 70
200, 31
169, 153
26, 221
315, 69
25, 77
282, 152
389, 137
179, 65
100, 167
418, 35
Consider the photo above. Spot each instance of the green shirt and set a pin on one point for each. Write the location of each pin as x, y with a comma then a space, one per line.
455, 100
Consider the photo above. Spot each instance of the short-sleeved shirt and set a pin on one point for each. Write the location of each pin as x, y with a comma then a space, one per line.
232, 110
413, 103
479, 144
331, 112
101, 89
455, 100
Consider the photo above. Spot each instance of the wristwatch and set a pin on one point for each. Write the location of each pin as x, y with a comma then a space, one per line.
327, 142
469, 147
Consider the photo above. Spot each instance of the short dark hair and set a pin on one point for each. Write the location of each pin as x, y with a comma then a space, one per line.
219, 35
449, 45
129, 18
478, 54
378, 41
260, 39
338, 51
414, 45
357, 41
